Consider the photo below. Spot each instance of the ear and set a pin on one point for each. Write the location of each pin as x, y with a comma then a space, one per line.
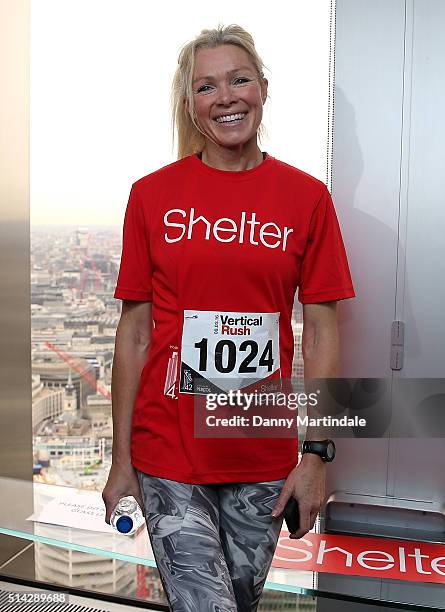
264, 87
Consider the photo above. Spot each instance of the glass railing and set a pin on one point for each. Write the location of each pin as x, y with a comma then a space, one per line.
21, 499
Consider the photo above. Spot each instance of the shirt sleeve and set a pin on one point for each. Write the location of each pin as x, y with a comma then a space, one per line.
325, 274
134, 281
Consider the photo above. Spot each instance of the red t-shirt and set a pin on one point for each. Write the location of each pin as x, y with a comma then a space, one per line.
230, 248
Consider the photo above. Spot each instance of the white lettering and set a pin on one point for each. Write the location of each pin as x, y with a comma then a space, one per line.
217, 229
265, 422
222, 399
168, 224
307, 553
193, 222
418, 557
287, 231
323, 549
369, 559
435, 565
225, 229
362, 559
263, 233
402, 560
241, 231
252, 223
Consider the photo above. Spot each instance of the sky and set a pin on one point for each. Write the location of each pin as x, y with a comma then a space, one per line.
101, 75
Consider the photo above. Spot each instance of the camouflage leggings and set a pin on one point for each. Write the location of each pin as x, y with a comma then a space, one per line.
213, 543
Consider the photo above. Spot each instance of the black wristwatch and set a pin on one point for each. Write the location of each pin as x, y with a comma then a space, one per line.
323, 448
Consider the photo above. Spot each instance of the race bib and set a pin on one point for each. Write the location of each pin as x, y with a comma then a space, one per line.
223, 351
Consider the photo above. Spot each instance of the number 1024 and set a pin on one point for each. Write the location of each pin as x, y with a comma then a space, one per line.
227, 363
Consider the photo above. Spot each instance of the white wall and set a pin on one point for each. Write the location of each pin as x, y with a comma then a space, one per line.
388, 184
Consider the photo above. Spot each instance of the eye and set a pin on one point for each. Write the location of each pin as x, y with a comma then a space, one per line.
236, 81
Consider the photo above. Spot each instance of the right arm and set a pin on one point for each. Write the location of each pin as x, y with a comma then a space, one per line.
133, 336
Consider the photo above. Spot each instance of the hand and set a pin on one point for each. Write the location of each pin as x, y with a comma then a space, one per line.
122, 481
306, 483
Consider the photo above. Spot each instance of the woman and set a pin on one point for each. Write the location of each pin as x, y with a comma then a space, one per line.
214, 246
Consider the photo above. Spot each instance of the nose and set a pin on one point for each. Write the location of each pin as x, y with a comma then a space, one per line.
227, 95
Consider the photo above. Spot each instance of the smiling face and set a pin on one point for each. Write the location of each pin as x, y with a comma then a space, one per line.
228, 96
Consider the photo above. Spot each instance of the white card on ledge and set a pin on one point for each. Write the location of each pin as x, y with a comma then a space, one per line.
81, 511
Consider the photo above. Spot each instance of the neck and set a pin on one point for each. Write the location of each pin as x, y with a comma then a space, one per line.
244, 157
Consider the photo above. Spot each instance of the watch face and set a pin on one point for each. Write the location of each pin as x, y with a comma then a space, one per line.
330, 451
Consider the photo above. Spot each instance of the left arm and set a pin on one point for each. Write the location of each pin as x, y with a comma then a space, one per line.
320, 347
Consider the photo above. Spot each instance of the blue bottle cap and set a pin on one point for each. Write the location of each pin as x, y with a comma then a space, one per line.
124, 524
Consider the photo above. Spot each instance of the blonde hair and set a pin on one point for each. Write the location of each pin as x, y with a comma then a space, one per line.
190, 138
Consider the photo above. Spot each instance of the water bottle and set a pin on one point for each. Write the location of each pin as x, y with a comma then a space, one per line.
126, 516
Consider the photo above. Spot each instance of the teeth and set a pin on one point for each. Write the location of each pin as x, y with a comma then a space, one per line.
227, 118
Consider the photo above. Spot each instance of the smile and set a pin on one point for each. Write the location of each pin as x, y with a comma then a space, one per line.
231, 118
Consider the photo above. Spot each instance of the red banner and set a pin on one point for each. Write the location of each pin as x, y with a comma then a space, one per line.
359, 556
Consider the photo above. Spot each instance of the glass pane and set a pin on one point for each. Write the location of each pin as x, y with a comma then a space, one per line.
82, 558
